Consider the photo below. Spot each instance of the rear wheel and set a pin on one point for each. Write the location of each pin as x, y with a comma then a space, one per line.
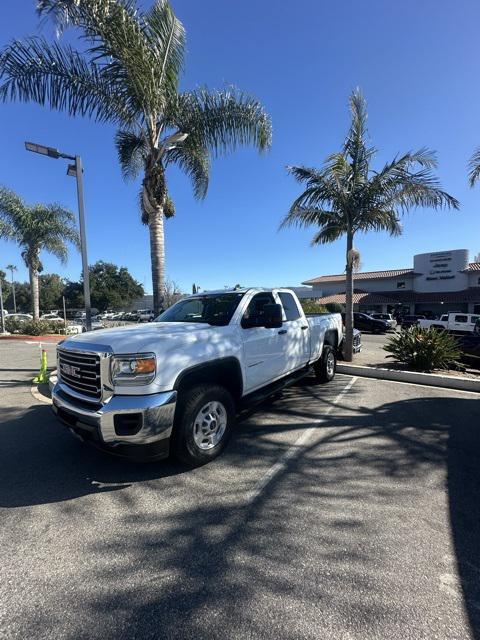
325, 367
203, 424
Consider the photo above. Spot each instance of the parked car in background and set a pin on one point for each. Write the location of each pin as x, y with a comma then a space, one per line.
454, 322
410, 321
52, 317
364, 322
386, 317
21, 317
357, 343
145, 315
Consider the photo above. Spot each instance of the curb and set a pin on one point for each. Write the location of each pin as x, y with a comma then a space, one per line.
39, 396
21, 337
414, 377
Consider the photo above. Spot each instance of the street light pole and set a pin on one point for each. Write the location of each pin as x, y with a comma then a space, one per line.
83, 243
75, 170
2, 319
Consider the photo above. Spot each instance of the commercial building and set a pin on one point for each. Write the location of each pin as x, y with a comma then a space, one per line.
438, 282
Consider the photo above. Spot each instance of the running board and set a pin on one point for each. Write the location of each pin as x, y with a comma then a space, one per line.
257, 397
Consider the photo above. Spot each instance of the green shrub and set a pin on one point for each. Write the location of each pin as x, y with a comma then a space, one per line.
38, 327
335, 307
309, 306
423, 349
13, 325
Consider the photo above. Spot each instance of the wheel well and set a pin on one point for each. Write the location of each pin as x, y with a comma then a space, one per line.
225, 372
331, 338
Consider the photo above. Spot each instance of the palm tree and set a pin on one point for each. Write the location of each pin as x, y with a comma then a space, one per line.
41, 227
128, 73
12, 268
347, 196
474, 168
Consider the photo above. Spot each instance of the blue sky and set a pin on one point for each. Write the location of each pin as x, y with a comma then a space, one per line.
417, 63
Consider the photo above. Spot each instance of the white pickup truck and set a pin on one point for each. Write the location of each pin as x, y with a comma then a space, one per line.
176, 384
454, 322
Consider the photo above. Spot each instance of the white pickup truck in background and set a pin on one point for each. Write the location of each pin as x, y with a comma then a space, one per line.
176, 384
454, 322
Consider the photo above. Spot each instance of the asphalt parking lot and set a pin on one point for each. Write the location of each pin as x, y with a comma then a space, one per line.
341, 511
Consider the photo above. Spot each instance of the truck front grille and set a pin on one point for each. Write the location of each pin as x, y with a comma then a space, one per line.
80, 371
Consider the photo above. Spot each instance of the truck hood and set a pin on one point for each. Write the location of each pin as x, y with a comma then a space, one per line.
139, 338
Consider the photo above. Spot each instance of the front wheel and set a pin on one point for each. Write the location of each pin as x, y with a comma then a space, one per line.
203, 424
325, 367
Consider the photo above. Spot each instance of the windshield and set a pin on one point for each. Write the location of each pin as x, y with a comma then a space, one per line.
214, 309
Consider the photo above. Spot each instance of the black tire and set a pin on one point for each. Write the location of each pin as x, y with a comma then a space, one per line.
324, 370
185, 445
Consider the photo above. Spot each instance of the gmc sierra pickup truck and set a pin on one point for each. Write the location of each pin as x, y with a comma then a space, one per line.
176, 384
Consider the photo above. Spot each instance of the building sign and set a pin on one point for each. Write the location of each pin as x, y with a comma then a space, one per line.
441, 271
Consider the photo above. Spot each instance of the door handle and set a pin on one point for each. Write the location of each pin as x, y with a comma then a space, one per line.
305, 326
282, 331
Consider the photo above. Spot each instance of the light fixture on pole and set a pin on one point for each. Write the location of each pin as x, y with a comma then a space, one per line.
75, 170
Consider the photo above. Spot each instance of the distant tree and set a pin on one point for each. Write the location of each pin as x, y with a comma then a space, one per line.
51, 291
111, 287
173, 293
346, 196
37, 228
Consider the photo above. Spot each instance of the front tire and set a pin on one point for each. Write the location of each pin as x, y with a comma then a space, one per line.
203, 424
327, 365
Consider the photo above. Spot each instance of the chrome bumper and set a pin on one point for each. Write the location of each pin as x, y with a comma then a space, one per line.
154, 413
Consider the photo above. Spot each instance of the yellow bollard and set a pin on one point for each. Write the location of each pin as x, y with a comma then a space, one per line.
43, 373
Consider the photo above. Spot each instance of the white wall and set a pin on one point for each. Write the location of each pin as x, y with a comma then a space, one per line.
441, 271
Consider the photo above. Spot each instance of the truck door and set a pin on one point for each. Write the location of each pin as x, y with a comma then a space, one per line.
460, 322
297, 337
263, 348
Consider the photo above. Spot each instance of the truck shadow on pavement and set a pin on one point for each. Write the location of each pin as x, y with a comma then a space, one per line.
217, 566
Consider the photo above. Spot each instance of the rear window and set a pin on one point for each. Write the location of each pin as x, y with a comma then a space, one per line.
289, 306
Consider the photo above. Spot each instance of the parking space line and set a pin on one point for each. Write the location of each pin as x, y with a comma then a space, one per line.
294, 449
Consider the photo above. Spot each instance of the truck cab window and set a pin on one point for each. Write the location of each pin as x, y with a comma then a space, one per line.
289, 306
253, 316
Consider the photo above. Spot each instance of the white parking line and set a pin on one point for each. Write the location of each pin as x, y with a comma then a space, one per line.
295, 449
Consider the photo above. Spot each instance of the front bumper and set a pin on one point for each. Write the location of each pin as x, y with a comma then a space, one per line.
151, 416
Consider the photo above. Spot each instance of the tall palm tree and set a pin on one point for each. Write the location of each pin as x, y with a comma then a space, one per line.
128, 73
41, 227
12, 268
347, 196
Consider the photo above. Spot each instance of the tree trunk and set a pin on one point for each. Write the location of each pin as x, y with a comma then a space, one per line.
157, 256
348, 350
33, 274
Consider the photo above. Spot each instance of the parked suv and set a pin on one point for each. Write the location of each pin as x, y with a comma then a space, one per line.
386, 317
410, 321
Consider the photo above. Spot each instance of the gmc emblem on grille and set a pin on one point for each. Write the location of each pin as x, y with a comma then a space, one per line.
69, 370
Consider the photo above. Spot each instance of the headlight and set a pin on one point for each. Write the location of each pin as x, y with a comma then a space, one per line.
137, 368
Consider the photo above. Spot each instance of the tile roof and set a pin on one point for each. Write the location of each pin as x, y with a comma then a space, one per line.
359, 297
473, 266
364, 275
391, 297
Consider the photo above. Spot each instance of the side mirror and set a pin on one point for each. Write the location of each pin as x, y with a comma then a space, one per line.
272, 316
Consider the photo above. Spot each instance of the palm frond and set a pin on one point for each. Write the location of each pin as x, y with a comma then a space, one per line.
166, 36
221, 120
132, 150
58, 76
142, 52
328, 234
194, 161
474, 168
299, 216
